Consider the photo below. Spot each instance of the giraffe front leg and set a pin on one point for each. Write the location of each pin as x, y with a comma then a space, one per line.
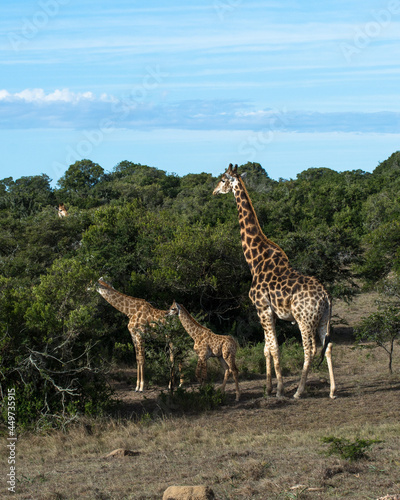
201, 370
140, 360
180, 370
140, 379
268, 368
277, 366
172, 367
181, 376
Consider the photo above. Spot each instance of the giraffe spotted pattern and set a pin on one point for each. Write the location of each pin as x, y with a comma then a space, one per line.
279, 291
141, 314
208, 344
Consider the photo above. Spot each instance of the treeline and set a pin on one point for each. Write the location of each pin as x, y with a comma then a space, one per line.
162, 237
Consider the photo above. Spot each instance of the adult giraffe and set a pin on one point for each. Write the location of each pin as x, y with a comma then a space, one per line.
142, 315
278, 291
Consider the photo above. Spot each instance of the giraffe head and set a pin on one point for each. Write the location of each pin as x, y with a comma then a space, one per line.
62, 211
228, 181
102, 285
102, 282
174, 310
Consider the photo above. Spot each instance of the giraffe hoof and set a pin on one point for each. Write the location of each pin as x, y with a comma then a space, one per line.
297, 396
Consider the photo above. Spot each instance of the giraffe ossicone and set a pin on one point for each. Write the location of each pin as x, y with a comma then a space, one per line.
208, 344
279, 291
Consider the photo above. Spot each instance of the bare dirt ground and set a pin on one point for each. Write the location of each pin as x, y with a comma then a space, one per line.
261, 448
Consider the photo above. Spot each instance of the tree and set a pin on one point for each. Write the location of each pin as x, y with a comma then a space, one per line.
109, 244
381, 252
383, 327
77, 183
204, 267
28, 195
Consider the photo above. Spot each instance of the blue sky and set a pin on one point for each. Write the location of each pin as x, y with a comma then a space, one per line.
189, 87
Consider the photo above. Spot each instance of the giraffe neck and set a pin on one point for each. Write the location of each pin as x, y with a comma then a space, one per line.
157, 314
189, 323
256, 246
124, 303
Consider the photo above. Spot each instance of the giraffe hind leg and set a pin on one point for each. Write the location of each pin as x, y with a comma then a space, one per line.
324, 334
225, 367
228, 362
235, 373
304, 373
328, 355
309, 348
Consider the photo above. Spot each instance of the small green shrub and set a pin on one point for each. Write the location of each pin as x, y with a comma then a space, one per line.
383, 329
203, 399
162, 340
292, 356
251, 360
349, 450
123, 353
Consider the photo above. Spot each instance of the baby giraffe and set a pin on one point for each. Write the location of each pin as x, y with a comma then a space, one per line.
207, 345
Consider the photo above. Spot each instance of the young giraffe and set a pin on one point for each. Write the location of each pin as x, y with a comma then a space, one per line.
62, 211
278, 291
207, 345
141, 315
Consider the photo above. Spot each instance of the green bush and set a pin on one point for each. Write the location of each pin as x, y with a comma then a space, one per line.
203, 399
49, 352
292, 357
162, 340
251, 359
349, 450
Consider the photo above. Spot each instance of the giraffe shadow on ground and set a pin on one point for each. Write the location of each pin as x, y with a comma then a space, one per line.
142, 406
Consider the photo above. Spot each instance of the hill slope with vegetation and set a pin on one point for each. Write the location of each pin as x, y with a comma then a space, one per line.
162, 237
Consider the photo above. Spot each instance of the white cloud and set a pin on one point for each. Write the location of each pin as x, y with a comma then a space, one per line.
63, 108
39, 96
4, 95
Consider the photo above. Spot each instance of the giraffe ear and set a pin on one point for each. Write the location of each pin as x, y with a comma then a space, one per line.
243, 175
229, 177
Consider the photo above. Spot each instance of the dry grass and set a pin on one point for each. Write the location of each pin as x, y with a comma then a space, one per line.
258, 448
